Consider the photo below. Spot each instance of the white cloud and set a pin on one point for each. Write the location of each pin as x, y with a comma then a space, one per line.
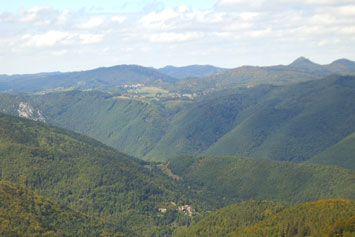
59, 52
262, 5
347, 10
49, 38
237, 26
119, 19
64, 17
240, 5
349, 30
158, 20
328, 42
34, 14
161, 16
260, 33
327, 2
232, 27
173, 37
91, 38
248, 16
91, 23
324, 19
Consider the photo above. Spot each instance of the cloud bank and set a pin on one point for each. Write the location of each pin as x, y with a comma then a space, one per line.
232, 33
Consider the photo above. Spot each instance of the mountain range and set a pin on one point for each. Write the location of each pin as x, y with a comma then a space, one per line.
110, 192
180, 151
193, 78
292, 122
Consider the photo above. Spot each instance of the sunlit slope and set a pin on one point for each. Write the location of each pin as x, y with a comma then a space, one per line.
233, 217
322, 218
292, 123
330, 217
23, 213
295, 123
203, 123
223, 180
84, 174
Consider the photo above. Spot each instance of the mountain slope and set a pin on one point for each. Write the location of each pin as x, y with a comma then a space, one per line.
24, 213
99, 79
342, 66
224, 180
300, 70
305, 64
246, 76
203, 123
331, 217
341, 154
233, 217
321, 218
295, 122
85, 175
292, 123
190, 71
131, 126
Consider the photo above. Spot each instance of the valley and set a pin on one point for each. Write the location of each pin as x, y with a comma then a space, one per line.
179, 151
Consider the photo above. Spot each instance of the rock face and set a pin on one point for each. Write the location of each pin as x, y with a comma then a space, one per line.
25, 110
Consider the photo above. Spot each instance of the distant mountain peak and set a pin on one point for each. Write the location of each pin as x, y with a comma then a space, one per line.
303, 63
345, 62
301, 60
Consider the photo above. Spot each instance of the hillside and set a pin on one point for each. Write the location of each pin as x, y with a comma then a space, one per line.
246, 76
110, 78
223, 180
321, 218
332, 217
341, 154
190, 79
24, 213
233, 217
202, 123
294, 123
305, 64
190, 71
132, 126
87, 176
300, 70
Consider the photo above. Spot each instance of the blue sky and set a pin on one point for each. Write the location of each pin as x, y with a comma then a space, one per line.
39, 35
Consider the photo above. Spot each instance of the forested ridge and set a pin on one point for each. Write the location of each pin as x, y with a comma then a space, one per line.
330, 217
180, 151
87, 176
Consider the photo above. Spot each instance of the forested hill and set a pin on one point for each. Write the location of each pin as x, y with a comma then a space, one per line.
293, 123
106, 78
87, 176
223, 180
332, 217
23, 213
300, 70
190, 71
181, 80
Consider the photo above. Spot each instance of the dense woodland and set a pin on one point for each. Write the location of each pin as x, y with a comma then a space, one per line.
330, 217
190, 151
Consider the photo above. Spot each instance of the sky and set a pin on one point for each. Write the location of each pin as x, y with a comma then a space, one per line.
50, 35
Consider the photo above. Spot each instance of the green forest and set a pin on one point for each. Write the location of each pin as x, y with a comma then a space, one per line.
180, 151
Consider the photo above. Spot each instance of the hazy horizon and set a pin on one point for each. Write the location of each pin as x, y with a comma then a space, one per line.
38, 36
